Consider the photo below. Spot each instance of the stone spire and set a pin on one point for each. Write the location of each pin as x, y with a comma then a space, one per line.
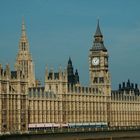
24, 59
70, 67
70, 72
76, 77
23, 44
23, 30
69, 61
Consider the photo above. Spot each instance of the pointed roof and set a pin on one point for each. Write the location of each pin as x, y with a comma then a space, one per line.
23, 43
98, 43
98, 30
69, 61
76, 72
23, 30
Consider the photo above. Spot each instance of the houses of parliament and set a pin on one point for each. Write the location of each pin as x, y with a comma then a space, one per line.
62, 101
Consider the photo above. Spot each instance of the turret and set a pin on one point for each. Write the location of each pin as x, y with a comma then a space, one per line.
56, 81
70, 69
76, 77
129, 87
72, 78
60, 73
46, 73
8, 70
0, 71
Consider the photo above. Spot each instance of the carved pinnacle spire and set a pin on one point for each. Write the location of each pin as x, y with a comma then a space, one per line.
23, 44
23, 30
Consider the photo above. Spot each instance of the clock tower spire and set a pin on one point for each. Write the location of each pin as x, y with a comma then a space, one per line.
98, 64
98, 43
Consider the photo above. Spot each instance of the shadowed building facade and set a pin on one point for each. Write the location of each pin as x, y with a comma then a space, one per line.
62, 100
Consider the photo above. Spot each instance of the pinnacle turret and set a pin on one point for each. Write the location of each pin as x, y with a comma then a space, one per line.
23, 44
70, 68
69, 61
76, 76
73, 78
23, 30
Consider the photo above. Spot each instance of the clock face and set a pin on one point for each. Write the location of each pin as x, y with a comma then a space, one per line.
95, 61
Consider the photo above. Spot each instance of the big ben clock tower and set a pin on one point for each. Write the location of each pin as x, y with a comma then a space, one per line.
98, 65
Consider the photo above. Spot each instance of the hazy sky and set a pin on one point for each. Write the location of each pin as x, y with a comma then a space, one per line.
58, 29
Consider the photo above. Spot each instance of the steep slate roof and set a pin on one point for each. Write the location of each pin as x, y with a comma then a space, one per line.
98, 47
98, 30
98, 44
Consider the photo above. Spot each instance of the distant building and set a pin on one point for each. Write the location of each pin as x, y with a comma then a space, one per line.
129, 87
73, 78
27, 105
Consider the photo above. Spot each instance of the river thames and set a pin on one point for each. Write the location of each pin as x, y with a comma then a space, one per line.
66, 138
116, 135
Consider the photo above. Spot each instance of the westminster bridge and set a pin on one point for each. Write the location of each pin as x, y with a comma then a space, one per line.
131, 134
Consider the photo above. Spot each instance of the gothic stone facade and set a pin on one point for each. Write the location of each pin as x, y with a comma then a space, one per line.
24, 104
13, 101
